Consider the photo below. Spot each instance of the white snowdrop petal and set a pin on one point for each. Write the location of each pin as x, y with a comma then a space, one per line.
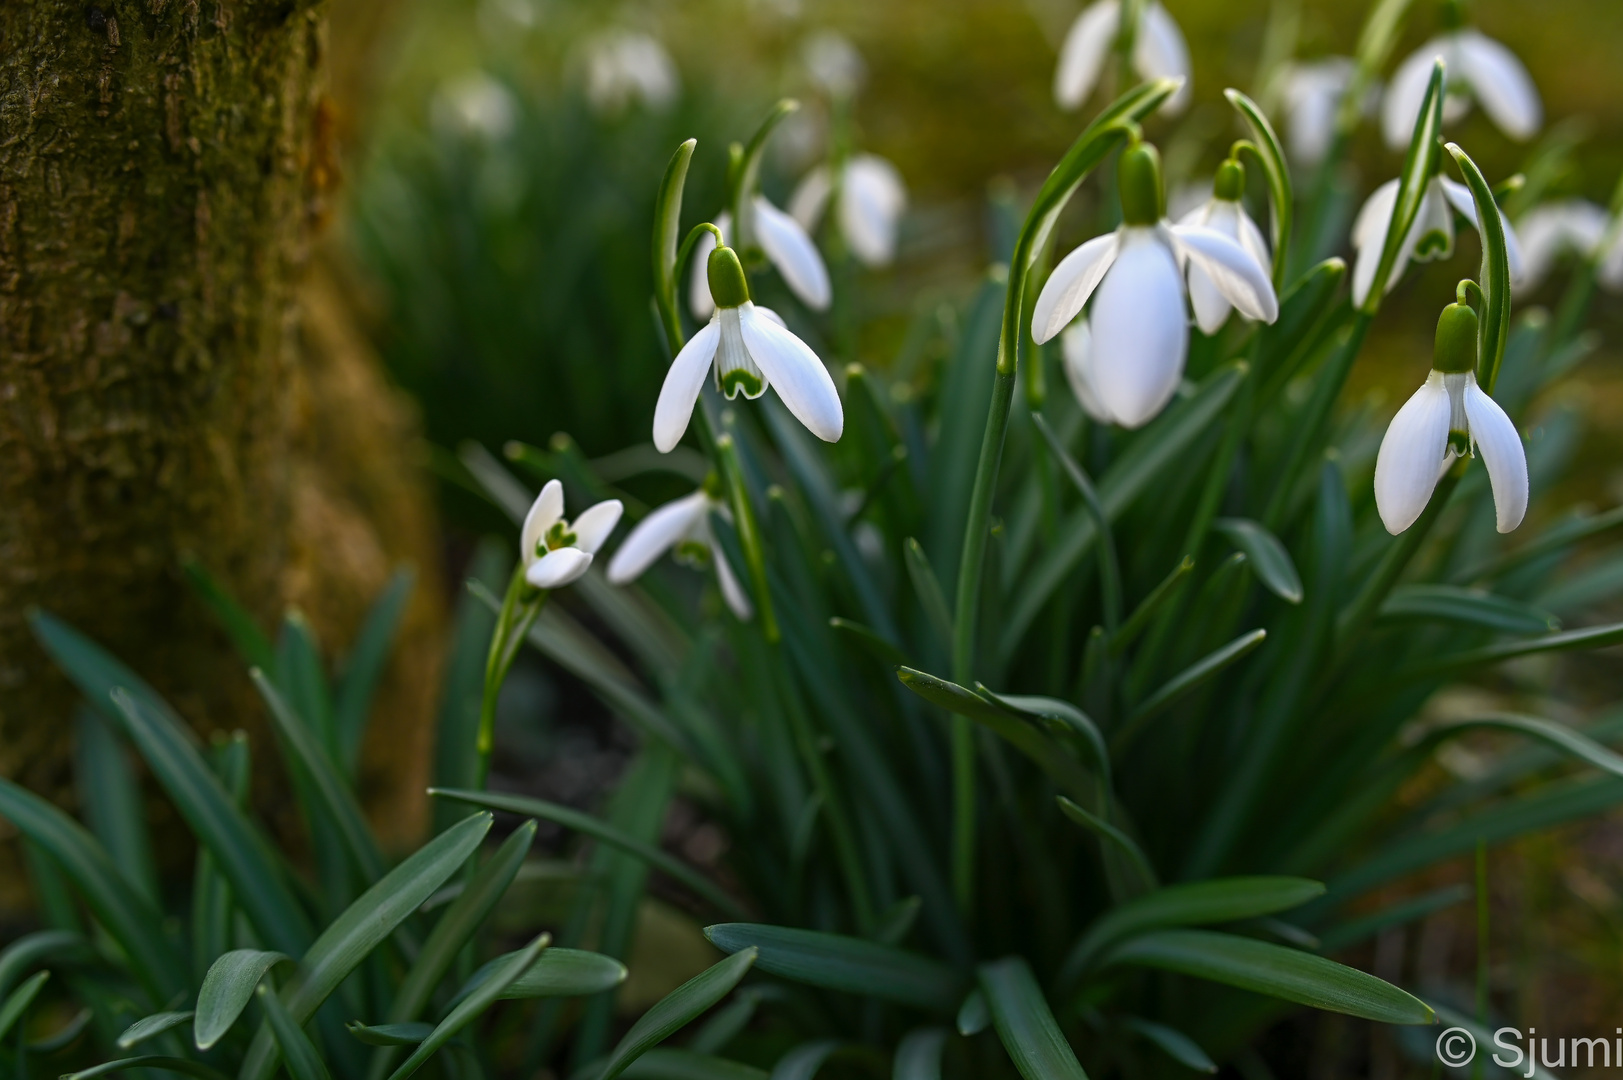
791, 250
1076, 348
796, 373
810, 197
1251, 239
654, 536
871, 202
1238, 276
1406, 93
1069, 286
732, 591
1411, 456
1159, 51
1500, 445
1375, 216
699, 301
1609, 271
768, 313
1082, 57
1432, 235
1501, 84
682, 384
593, 527
1140, 331
558, 568
1211, 306
544, 514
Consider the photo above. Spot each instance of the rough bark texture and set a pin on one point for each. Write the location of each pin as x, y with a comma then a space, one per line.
173, 380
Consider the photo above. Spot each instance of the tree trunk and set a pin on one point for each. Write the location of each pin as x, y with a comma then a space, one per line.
173, 381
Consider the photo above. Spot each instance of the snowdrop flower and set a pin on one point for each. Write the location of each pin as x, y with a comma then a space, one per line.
623, 66
1138, 334
1476, 67
1312, 94
683, 525
871, 200
1575, 225
1222, 213
750, 349
556, 551
1448, 418
834, 64
1158, 51
787, 246
1430, 237
1077, 354
476, 105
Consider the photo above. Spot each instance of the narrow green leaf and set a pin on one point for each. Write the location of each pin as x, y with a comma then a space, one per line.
62, 1036
1280, 197
927, 587
1274, 970
124, 913
17, 1002
743, 176
1419, 165
599, 830
869, 641
212, 909
501, 977
802, 1062
148, 1026
725, 1024
456, 758
298, 1053
673, 1011
849, 964
1064, 721
1109, 566
1268, 556
1183, 682
1356, 931
918, 1055
1493, 328
1591, 637
1559, 736
1126, 845
558, 973
110, 799
667, 227
1465, 607
1198, 903
1024, 1023
250, 641
687, 1065
897, 921
358, 680
34, 948
226, 991
409, 1034
183, 1066
1174, 1043
1555, 539
974, 1016
1139, 620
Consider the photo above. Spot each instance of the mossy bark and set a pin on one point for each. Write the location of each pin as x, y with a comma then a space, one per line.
173, 381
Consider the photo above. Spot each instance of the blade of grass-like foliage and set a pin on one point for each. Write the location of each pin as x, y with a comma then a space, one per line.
1273, 970
1198, 903
1590, 637
1109, 565
1419, 165
1557, 538
226, 991
1183, 682
1139, 620
17, 1002
869, 641
183, 1066
299, 1055
501, 977
110, 800
673, 1011
358, 681
245, 858
743, 173
1144, 876
301, 677
927, 587
1024, 1023
123, 912
570, 818
363, 926
212, 908
1280, 198
1493, 329
802, 1062
62, 1036
973, 1015
667, 227
336, 801
1559, 736
918, 1055
1268, 556
1465, 607
95, 671
897, 921
1356, 931
390, 1034
250, 641
558, 973
848, 964
1064, 721
1174, 1043
456, 761
725, 1024
148, 1026
687, 1065
34, 948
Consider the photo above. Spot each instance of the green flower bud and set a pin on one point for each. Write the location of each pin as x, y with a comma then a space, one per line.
1139, 177
1455, 350
728, 286
1230, 181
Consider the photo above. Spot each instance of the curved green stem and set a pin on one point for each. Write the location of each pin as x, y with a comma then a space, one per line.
521, 606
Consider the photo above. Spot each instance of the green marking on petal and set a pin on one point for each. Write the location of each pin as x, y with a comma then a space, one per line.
557, 537
739, 379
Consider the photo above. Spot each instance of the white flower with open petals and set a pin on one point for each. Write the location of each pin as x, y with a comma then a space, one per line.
1224, 214
1158, 51
1475, 68
556, 551
787, 246
1567, 225
750, 349
1448, 417
869, 209
1139, 327
683, 528
1430, 237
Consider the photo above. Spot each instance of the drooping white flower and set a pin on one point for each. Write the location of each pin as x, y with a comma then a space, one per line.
625, 66
1076, 350
556, 551
1312, 93
1448, 417
1475, 68
683, 525
1158, 51
787, 246
1139, 327
1222, 213
1569, 225
1430, 237
749, 349
475, 104
869, 209
834, 63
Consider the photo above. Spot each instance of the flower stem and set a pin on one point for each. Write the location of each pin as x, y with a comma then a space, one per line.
521, 606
